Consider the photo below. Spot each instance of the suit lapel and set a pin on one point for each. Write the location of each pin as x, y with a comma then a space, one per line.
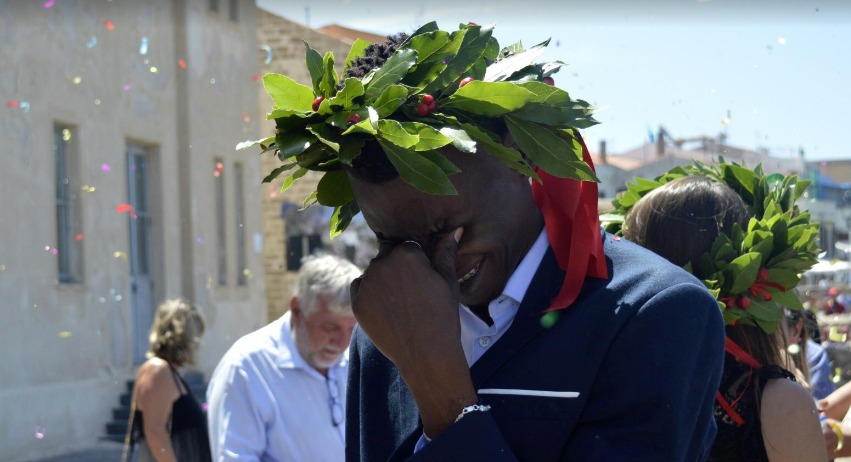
527, 323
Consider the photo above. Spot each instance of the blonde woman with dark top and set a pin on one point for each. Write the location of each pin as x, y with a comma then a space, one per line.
168, 422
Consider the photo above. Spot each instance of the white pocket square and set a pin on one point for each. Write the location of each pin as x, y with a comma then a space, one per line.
522, 392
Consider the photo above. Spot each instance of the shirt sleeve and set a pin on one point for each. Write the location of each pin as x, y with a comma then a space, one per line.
235, 420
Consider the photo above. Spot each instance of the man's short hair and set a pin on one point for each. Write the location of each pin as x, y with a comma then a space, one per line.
326, 277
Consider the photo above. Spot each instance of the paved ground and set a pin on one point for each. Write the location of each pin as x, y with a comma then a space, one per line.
105, 451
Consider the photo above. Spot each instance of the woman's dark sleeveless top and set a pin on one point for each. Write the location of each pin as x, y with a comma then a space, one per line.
742, 443
188, 425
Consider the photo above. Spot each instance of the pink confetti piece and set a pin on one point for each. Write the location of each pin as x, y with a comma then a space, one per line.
255, 77
39, 432
199, 240
127, 86
13, 104
49, 4
246, 118
109, 25
181, 63
80, 237
54, 251
105, 167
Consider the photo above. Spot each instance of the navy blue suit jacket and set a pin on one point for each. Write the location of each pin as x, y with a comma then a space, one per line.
643, 350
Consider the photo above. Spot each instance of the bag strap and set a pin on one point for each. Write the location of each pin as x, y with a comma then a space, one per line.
129, 444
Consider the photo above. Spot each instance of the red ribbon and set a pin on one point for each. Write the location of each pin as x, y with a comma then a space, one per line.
569, 208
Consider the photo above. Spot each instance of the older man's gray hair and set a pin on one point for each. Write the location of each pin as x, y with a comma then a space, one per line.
327, 277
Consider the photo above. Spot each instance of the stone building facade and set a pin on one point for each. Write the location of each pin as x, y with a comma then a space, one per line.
120, 188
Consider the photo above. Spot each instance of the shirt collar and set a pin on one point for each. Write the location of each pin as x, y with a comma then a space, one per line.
288, 356
520, 280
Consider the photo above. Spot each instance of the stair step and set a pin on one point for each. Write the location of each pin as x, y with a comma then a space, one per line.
125, 399
121, 413
116, 427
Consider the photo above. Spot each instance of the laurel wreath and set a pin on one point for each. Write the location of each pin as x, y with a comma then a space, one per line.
752, 272
467, 83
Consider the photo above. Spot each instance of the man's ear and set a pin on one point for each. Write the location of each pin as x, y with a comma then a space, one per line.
295, 308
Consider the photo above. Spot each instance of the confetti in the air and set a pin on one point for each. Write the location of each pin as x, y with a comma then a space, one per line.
219, 168
109, 25
49, 4
154, 69
181, 63
119, 254
245, 117
80, 237
66, 134
92, 42
255, 77
781, 40
105, 168
268, 51
121, 208
64, 334
199, 240
13, 104
87, 188
143, 46
127, 86
39, 432
76, 80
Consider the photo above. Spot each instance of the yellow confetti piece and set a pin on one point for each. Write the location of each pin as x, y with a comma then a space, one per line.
119, 254
66, 134
76, 80
87, 188
835, 336
153, 69
64, 334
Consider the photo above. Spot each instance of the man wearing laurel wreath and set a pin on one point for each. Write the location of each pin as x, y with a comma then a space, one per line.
498, 322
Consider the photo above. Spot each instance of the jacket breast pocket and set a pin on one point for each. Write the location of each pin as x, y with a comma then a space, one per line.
548, 418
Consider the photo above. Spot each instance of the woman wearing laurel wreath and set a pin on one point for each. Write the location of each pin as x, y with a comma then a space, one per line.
497, 322
702, 223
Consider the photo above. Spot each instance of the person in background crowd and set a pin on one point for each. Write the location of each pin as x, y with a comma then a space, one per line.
832, 305
809, 357
761, 412
278, 394
168, 421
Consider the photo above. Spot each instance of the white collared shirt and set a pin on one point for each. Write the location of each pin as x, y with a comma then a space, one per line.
266, 403
476, 335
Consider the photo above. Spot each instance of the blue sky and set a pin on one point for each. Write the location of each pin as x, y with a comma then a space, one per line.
772, 74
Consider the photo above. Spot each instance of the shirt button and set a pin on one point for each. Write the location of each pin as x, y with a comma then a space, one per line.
484, 341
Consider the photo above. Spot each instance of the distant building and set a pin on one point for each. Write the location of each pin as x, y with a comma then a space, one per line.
120, 187
830, 204
664, 153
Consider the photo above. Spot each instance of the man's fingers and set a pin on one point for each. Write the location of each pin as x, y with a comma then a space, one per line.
444, 257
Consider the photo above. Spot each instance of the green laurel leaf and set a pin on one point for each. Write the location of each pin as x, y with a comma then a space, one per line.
417, 170
390, 73
334, 189
288, 94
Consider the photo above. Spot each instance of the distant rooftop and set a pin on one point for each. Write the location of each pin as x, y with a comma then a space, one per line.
344, 34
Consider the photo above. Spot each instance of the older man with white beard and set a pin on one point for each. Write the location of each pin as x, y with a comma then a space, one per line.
279, 393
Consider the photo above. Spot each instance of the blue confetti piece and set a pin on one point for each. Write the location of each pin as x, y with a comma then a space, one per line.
92, 42
143, 46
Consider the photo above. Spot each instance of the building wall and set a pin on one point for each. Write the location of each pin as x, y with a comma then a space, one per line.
285, 37
68, 346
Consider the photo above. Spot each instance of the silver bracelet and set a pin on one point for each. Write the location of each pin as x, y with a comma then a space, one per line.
472, 408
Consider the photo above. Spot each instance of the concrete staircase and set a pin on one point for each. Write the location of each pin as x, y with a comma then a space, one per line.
116, 428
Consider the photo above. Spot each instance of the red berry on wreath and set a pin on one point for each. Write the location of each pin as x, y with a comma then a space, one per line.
317, 102
423, 109
465, 81
353, 119
549, 80
428, 99
743, 302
